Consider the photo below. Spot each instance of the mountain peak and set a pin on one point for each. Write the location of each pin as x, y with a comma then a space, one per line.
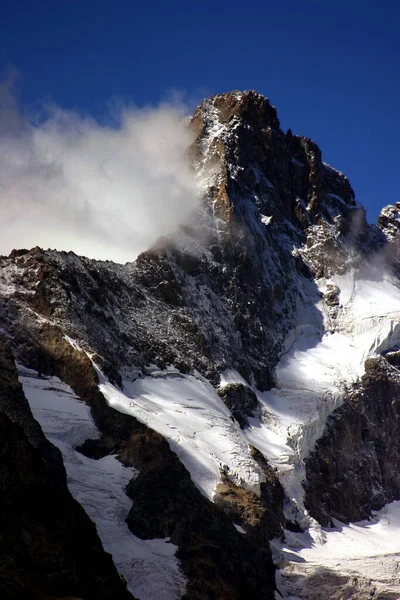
252, 108
239, 141
250, 357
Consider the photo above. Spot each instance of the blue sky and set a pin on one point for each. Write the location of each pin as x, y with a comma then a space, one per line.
331, 67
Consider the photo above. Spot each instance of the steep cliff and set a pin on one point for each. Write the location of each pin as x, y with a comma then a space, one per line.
49, 547
225, 365
354, 468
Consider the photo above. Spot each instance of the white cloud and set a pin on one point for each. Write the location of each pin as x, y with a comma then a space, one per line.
102, 191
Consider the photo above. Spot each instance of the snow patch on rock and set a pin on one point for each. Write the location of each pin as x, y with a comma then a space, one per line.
150, 567
188, 412
318, 366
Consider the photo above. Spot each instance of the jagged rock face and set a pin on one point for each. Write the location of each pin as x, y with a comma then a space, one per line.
241, 401
261, 516
388, 221
282, 174
334, 248
217, 560
389, 225
101, 304
355, 466
49, 547
222, 293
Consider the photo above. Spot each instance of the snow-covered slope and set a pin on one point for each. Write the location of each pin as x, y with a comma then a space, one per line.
188, 412
322, 361
276, 291
150, 567
359, 560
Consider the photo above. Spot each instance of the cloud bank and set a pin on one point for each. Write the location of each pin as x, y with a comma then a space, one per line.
103, 191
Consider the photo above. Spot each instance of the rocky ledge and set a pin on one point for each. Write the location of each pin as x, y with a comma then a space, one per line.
355, 466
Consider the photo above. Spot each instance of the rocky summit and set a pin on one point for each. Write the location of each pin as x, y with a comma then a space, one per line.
205, 421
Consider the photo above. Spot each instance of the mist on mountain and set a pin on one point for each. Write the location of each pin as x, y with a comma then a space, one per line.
106, 191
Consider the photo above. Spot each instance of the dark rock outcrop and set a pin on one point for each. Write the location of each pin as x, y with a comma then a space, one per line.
355, 466
262, 516
389, 224
48, 545
219, 562
241, 401
389, 221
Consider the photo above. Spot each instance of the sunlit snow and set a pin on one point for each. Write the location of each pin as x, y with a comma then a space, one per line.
321, 359
368, 550
318, 366
149, 566
190, 414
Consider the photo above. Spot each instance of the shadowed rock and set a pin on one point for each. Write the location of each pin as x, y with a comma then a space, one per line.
241, 401
355, 466
48, 545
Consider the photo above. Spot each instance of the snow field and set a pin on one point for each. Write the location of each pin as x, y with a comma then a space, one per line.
317, 367
312, 377
323, 355
149, 566
366, 553
188, 412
